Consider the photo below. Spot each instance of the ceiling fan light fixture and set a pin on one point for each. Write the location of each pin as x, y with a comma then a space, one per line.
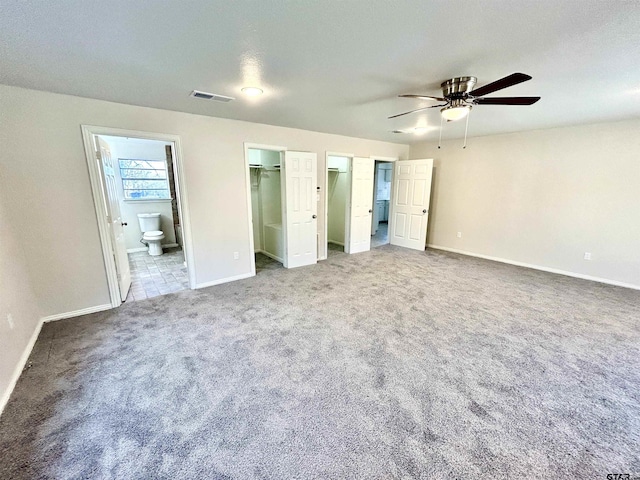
455, 112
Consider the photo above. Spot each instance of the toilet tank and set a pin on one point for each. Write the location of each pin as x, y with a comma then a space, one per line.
149, 221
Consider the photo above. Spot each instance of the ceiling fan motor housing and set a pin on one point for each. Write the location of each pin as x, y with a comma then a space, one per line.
458, 87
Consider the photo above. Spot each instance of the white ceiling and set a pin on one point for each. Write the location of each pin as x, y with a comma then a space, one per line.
333, 65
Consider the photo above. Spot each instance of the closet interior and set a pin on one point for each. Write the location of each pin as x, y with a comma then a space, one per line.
266, 202
337, 194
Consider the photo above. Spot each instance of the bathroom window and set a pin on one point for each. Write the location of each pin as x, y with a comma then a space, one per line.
144, 179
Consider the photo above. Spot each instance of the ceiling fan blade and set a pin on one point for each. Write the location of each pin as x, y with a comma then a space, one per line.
508, 81
506, 101
416, 110
422, 97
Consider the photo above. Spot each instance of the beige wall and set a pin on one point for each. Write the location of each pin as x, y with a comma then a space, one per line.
19, 314
543, 198
338, 189
52, 198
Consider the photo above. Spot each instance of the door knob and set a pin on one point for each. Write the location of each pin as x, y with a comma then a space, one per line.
370, 211
424, 211
314, 216
124, 224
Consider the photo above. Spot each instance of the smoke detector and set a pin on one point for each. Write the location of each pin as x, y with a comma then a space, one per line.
211, 96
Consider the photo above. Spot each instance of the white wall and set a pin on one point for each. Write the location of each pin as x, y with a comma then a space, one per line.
271, 213
19, 312
338, 190
543, 197
49, 175
122, 147
271, 197
256, 209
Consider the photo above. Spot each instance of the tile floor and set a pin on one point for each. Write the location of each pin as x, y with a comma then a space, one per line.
381, 237
157, 275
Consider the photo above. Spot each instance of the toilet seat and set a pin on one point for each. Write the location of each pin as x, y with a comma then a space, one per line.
153, 235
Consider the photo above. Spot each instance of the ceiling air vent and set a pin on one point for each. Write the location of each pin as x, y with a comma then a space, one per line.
211, 96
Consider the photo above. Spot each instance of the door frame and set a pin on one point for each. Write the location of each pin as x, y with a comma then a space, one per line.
247, 180
393, 160
347, 226
95, 178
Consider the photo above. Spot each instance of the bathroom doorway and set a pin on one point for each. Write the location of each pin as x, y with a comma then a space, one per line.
136, 180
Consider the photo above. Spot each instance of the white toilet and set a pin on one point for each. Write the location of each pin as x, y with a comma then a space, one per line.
151, 233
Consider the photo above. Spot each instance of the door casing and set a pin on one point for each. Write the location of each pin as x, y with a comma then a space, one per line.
88, 132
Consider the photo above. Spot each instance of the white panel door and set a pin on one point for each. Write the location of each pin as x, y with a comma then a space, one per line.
360, 214
301, 209
114, 218
410, 203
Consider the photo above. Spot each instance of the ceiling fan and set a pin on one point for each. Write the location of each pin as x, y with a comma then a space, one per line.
459, 97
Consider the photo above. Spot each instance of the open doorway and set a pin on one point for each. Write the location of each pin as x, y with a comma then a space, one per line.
146, 189
136, 187
381, 199
282, 201
338, 192
266, 205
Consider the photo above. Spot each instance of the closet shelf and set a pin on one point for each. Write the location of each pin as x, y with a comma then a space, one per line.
337, 170
255, 166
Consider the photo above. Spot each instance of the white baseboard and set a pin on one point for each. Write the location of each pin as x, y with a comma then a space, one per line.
537, 267
224, 280
77, 313
20, 366
271, 255
144, 249
32, 341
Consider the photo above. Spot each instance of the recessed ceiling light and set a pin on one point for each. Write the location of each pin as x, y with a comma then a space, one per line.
252, 91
